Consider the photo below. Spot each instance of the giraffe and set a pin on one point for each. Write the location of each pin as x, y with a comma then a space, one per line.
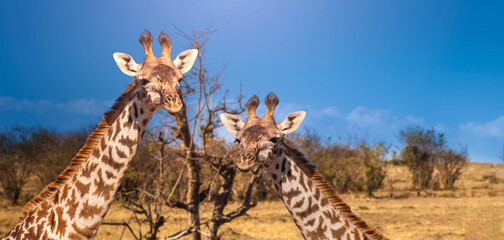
316, 209
74, 205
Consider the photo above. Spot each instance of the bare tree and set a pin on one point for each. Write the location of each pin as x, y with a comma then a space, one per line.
55, 151
373, 161
187, 166
450, 166
18, 155
27, 151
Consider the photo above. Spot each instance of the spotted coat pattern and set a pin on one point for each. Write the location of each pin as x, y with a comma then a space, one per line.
311, 201
77, 207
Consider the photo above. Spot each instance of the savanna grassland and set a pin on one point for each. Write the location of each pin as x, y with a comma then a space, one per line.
475, 210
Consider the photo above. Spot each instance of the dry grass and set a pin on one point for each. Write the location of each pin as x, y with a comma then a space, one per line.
263, 222
474, 211
412, 218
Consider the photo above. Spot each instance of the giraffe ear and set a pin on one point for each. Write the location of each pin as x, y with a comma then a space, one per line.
126, 63
292, 122
185, 60
232, 123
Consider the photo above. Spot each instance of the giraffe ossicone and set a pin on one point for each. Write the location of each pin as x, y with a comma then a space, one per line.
314, 205
74, 205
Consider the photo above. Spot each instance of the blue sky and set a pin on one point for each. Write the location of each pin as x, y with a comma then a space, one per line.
366, 68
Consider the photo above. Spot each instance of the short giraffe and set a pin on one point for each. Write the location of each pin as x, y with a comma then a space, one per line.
73, 206
316, 209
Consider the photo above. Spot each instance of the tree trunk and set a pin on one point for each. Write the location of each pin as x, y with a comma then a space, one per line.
12, 195
221, 201
193, 199
370, 193
193, 171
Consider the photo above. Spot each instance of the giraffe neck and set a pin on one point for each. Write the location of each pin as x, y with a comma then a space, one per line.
316, 209
74, 206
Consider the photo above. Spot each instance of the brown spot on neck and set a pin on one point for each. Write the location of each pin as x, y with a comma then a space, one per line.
62, 224
90, 210
312, 208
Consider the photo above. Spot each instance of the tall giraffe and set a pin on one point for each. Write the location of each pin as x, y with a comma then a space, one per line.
316, 209
73, 206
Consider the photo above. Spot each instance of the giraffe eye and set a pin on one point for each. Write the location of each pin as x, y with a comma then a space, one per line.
274, 139
144, 82
237, 141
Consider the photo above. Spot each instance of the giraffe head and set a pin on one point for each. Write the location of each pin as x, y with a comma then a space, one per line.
158, 77
259, 137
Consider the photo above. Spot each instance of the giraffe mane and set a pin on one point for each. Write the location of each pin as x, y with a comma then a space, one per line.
81, 157
328, 191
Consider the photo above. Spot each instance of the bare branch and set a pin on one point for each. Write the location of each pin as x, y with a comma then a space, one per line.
126, 225
182, 233
176, 204
247, 202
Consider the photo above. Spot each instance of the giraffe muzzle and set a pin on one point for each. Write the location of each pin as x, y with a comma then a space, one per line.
171, 103
247, 162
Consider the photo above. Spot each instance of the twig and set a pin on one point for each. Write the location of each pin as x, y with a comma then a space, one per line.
122, 224
129, 220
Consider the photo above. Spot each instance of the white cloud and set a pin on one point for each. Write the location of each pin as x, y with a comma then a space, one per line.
414, 120
332, 112
377, 124
364, 117
441, 128
493, 128
84, 106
